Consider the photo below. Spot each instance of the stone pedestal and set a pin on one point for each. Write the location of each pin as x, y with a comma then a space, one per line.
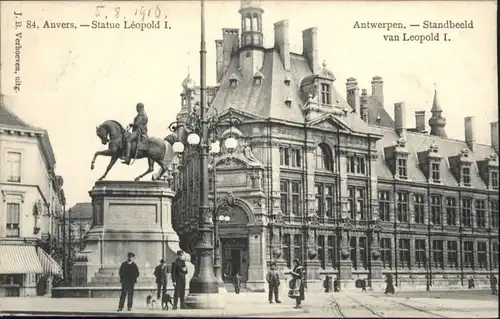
345, 273
376, 270
313, 278
128, 217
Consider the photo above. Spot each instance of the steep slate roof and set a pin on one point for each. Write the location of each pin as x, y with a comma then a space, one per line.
81, 211
11, 120
418, 142
375, 109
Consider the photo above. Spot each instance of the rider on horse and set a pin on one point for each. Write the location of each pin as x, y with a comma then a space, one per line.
139, 132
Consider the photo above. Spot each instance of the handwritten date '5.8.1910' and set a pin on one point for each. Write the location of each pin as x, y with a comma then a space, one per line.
111, 17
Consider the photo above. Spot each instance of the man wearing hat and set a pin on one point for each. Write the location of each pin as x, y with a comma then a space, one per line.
161, 278
128, 277
179, 271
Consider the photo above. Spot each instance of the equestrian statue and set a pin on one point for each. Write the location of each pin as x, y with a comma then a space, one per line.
129, 146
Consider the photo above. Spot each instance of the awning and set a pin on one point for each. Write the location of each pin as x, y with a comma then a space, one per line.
49, 265
19, 259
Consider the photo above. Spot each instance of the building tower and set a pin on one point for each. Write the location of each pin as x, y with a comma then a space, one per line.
252, 42
437, 122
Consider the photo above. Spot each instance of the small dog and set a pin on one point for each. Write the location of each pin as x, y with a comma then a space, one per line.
165, 300
150, 302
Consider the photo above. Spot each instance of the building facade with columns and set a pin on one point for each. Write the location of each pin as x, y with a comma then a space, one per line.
32, 200
330, 177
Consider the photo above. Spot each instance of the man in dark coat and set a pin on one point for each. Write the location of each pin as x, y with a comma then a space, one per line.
273, 281
128, 277
363, 285
161, 279
493, 284
179, 271
389, 288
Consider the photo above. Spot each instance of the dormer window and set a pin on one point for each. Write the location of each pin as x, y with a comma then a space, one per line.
435, 174
288, 101
325, 94
233, 81
287, 81
402, 168
257, 78
494, 179
466, 176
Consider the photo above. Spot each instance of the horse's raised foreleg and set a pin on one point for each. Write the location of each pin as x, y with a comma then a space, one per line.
112, 162
100, 153
151, 164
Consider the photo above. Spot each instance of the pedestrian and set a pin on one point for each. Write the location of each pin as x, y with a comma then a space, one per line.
297, 283
161, 279
493, 284
128, 277
363, 285
336, 285
179, 271
273, 281
327, 283
471, 283
389, 288
237, 283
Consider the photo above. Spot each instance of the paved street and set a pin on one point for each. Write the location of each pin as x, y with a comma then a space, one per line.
436, 304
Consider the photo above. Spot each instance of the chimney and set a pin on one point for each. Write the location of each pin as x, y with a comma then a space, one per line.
469, 132
364, 107
494, 136
282, 43
230, 44
310, 48
420, 121
219, 64
399, 117
353, 98
378, 89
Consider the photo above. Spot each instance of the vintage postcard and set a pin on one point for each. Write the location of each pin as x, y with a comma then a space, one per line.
249, 158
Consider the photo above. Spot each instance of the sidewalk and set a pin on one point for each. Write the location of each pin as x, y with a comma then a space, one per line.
244, 304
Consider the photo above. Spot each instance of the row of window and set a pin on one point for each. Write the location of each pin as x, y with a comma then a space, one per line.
437, 215
329, 253
442, 210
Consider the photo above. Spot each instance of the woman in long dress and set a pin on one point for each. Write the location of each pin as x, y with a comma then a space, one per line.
297, 283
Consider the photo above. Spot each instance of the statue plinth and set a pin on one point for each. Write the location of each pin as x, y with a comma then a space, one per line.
127, 217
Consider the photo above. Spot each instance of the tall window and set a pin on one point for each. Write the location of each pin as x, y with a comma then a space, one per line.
13, 216
296, 157
324, 158
360, 203
466, 176
494, 214
418, 208
404, 253
363, 252
466, 212
14, 167
402, 205
481, 255
402, 169
351, 164
436, 209
296, 199
436, 177
329, 201
286, 250
330, 250
385, 252
494, 256
297, 247
494, 179
451, 211
321, 250
350, 202
437, 253
384, 206
468, 254
420, 252
354, 257
360, 165
452, 254
284, 156
284, 197
325, 93
320, 209
480, 213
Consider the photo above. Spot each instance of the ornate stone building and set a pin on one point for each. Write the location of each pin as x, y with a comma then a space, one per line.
332, 179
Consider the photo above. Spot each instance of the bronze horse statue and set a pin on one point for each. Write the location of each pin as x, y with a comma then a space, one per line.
112, 133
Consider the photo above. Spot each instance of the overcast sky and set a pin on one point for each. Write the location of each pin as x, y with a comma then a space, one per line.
73, 80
